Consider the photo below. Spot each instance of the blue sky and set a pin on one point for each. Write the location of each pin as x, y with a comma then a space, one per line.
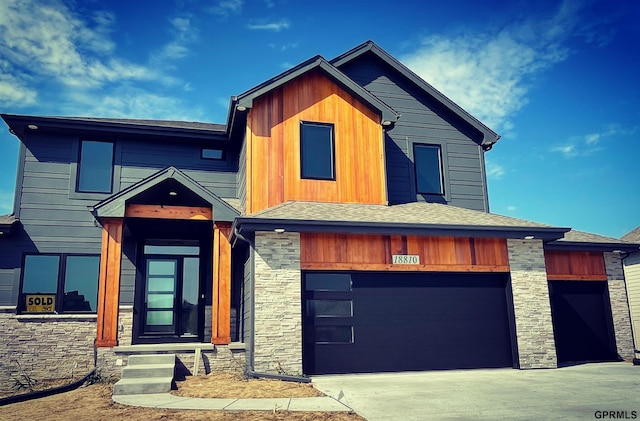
559, 80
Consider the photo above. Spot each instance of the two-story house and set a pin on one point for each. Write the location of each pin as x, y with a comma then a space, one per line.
337, 222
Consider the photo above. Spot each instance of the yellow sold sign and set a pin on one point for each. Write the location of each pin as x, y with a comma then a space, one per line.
40, 303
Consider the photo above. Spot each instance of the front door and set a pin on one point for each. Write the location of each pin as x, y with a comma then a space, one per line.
170, 300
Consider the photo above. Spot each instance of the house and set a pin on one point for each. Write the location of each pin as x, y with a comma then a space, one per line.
632, 275
337, 222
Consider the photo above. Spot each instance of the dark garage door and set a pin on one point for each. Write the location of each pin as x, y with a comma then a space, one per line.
582, 322
395, 321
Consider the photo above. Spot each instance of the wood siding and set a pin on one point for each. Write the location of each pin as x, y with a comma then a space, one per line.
273, 142
374, 252
221, 300
109, 283
423, 120
575, 265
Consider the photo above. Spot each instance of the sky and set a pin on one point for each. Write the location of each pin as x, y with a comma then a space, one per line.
558, 80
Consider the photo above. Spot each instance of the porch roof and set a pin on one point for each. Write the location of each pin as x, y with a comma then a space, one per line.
114, 206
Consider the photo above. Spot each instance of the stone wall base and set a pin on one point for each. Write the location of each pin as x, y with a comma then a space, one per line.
46, 347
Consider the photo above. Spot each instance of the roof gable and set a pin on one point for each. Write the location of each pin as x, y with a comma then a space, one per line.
489, 136
387, 113
114, 206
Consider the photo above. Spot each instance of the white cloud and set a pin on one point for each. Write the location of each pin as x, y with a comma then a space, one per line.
489, 73
494, 170
271, 26
224, 8
6, 203
184, 34
47, 40
511, 208
592, 142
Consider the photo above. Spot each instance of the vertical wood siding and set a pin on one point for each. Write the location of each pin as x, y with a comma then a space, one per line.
575, 265
374, 252
109, 283
423, 121
632, 277
273, 155
221, 315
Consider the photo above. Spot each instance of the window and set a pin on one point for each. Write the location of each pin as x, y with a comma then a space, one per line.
60, 284
317, 151
213, 154
95, 170
428, 164
328, 308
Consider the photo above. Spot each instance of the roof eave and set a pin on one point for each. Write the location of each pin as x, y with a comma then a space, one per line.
14, 120
587, 246
489, 136
250, 225
387, 113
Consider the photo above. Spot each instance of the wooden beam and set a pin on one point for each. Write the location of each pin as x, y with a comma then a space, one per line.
402, 268
221, 314
168, 212
577, 277
109, 283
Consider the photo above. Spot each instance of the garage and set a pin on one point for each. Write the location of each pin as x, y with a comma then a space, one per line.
361, 322
582, 321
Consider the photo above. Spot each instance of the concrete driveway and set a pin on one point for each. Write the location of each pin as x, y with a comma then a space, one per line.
584, 392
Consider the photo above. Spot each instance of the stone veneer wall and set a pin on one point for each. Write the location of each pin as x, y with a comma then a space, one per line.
277, 334
44, 347
532, 308
619, 305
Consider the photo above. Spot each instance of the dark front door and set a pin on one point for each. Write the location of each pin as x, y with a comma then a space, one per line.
170, 299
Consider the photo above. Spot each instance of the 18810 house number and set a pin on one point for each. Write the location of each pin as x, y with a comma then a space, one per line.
406, 259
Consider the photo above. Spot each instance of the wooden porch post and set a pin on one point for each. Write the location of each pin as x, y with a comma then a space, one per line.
221, 301
109, 283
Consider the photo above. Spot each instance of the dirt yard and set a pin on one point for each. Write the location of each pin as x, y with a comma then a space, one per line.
94, 403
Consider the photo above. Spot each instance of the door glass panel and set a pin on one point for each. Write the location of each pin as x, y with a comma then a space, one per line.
160, 301
190, 295
161, 267
171, 250
329, 308
157, 284
156, 318
328, 282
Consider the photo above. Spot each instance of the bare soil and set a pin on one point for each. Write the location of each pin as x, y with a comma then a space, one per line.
225, 385
94, 403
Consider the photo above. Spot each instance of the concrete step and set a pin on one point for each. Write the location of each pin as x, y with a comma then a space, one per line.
144, 359
139, 371
142, 386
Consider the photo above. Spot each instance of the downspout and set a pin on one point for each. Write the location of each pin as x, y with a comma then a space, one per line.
252, 283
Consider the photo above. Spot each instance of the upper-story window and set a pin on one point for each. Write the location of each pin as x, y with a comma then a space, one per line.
208, 153
59, 283
95, 168
428, 163
317, 154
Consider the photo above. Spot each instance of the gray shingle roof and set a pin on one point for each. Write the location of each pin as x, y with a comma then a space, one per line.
633, 236
574, 236
150, 123
412, 213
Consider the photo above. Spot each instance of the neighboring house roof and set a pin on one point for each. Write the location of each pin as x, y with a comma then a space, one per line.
633, 236
418, 218
114, 206
489, 136
583, 240
21, 123
7, 222
319, 63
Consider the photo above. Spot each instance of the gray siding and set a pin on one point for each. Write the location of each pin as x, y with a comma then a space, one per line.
246, 330
242, 177
56, 219
423, 120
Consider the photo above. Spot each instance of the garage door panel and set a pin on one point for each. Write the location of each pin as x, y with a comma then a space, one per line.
582, 322
405, 322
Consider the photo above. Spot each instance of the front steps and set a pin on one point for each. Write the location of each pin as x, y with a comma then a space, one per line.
146, 373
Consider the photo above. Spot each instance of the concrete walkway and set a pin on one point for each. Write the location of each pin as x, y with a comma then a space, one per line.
169, 401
